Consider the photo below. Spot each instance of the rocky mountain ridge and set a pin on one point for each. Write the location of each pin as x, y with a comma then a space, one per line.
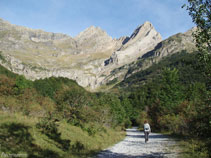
143, 39
92, 58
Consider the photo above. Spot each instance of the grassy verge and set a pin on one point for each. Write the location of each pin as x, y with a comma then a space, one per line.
189, 147
19, 136
193, 148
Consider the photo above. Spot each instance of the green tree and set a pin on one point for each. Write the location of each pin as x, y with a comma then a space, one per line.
117, 111
200, 11
129, 110
48, 86
171, 90
21, 83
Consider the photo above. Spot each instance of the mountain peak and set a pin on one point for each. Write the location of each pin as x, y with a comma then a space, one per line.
91, 31
145, 32
144, 28
147, 24
93, 28
94, 39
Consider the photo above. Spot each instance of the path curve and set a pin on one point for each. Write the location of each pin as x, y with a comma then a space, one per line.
133, 146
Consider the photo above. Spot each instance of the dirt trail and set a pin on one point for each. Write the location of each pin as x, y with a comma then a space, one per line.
134, 146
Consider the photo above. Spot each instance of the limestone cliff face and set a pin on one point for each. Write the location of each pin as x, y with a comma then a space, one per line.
95, 40
143, 39
172, 45
92, 58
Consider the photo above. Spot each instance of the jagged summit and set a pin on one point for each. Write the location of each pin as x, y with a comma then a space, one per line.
140, 29
90, 31
142, 40
143, 32
94, 39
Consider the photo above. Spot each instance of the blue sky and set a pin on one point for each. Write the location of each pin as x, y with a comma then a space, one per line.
117, 17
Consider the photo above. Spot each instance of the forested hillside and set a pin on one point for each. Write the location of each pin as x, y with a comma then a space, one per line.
172, 95
55, 117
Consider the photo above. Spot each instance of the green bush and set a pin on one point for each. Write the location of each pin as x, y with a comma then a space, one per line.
174, 123
128, 123
7, 85
22, 83
47, 87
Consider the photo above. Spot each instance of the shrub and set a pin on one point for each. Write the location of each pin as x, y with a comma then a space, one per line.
22, 83
173, 123
7, 85
45, 88
128, 123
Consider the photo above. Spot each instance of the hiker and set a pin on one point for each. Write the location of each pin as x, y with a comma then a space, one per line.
147, 130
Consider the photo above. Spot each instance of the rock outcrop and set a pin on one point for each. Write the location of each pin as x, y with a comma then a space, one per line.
143, 39
95, 40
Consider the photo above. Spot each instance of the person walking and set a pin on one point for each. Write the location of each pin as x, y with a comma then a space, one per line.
147, 130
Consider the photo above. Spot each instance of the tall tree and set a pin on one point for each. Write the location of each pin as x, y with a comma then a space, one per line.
171, 90
200, 11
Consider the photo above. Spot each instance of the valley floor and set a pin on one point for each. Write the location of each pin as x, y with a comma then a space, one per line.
134, 146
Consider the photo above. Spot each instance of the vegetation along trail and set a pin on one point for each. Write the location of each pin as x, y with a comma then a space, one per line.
134, 146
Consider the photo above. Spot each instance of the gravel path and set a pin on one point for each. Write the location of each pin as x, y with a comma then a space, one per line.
133, 146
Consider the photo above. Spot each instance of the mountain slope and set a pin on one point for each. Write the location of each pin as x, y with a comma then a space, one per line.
37, 54
92, 58
168, 47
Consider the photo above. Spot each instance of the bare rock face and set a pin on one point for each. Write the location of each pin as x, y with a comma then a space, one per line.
174, 44
92, 58
95, 40
143, 39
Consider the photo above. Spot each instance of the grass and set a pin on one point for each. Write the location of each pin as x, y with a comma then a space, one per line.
188, 147
20, 135
45, 58
193, 148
